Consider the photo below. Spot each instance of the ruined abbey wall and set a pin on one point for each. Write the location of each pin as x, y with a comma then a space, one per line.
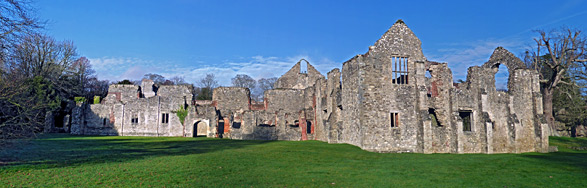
390, 99
124, 112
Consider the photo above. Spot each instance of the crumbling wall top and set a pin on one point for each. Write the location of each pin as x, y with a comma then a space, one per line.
231, 98
175, 91
123, 88
296, 79
502, 56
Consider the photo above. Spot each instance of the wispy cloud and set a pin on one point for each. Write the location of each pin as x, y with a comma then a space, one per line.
119, 68
256, 67
553, 22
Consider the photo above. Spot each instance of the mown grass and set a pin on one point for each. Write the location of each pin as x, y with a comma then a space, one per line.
102, 161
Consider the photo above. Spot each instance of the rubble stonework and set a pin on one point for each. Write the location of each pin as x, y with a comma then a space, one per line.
390, 99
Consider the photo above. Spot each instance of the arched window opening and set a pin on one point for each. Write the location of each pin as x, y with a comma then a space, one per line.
501, 78
428, 74
304, 67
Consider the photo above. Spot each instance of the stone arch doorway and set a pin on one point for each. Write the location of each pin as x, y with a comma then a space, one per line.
201, 128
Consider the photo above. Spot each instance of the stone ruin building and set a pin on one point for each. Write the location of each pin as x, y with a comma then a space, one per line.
390, 99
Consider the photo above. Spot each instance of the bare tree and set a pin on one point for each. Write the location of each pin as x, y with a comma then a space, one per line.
555, 55
243, 80
266, 83
207, 85
157, 79
82, 73
16, 19
178, 80
263, 85
95, 87
209, 81
41, 55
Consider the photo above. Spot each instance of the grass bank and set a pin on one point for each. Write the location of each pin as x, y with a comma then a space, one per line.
86, 161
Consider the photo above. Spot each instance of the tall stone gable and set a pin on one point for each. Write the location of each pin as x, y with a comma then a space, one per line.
398, 40
295, 78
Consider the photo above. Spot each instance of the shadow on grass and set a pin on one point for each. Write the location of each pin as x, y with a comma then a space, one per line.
572, 152
563, 159
60, 150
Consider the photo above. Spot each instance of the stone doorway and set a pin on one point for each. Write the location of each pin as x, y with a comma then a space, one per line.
201, 128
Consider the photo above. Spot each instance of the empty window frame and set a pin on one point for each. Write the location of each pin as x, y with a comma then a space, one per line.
394, 119
466, 116
399, 70
434, 117
236, 125
104, 122
134, 120
165, 118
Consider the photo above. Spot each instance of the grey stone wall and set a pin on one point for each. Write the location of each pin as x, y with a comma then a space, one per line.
429, 108
295, 79
362, 105
352, 98
231, 99
135, 116
177, 93
289, 100
121, 93
333, 107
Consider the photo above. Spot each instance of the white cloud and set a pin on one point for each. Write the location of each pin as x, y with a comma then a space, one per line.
119, 68
257, 67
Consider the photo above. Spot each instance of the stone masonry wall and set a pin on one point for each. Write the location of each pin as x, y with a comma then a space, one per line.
295, 79
370, 103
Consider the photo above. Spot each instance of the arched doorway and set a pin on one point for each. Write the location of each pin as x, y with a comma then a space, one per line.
200, 128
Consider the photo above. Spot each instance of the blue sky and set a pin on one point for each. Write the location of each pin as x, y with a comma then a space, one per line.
126, 39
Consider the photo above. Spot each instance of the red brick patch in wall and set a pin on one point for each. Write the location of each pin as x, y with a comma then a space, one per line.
226, 125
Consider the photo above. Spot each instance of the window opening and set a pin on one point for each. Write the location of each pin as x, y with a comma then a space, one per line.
394, 119
308, 127
501, 78
434, 117
428, 74
399, 71
165, 118
134, 120
236, 125
466, 117
303, 68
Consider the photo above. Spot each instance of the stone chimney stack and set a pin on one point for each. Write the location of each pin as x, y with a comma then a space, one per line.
147, 87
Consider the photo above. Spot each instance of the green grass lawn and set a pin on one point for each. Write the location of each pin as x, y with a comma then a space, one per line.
106, 161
